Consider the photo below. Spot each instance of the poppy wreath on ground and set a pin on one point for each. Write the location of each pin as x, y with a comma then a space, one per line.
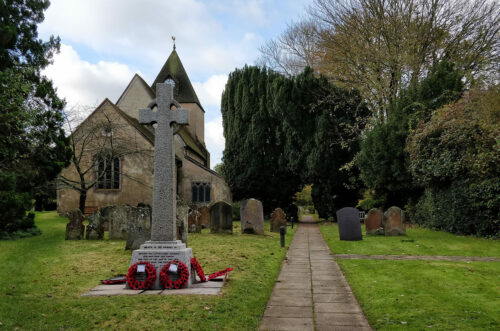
199, 271
182, 271
116, 280
219, 273
135, 284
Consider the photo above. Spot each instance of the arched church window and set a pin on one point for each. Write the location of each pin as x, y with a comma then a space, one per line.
200, 192
108, 172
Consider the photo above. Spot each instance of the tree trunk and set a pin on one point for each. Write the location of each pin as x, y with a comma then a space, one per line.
83, 198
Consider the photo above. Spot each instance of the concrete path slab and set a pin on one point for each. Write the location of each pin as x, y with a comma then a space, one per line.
311, 292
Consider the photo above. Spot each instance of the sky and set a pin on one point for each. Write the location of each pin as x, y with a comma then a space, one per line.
105, 42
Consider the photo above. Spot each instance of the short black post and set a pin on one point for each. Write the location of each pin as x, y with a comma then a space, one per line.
291, 219
282, 235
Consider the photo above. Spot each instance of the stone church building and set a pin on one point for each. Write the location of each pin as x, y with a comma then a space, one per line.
116, 152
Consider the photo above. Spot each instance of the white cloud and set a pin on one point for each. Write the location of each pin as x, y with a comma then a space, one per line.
214, 139
140, 31
84, 83
210, 91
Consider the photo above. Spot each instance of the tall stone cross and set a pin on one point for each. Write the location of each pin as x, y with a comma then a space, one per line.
163, 227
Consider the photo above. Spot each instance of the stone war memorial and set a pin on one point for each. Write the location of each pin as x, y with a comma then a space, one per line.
163, 248
349, 225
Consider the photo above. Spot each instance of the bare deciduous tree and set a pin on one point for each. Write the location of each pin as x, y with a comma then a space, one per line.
102, 137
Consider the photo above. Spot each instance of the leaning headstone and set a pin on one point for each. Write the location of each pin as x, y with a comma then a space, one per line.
278, 218
394, 222
221, 218
163, 248
373, 221
95, 229
204, 217
349, 225
75, 228
194, 224
252, 216
139, 227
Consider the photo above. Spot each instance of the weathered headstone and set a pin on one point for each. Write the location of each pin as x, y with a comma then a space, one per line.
194, 224
278, 218
163, 248
75, 227
118, 218
95, 229
204, 216
373, 221
252, 216
349, 225
394, 222
139, 227
221, 218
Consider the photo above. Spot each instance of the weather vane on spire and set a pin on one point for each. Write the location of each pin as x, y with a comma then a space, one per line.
173, 38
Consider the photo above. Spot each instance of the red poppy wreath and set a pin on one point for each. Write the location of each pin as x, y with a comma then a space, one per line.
199, 270
135, 284
182, 271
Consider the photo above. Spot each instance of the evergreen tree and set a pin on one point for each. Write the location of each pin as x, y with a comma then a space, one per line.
383, 161
33, 147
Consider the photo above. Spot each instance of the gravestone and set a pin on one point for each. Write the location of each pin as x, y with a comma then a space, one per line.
373, 221
221, 218
252, 216
194, 224
118, 218
163, 248
139, 227
278, 218
349, 225
95, 229
394, 219
75, 228
204, 217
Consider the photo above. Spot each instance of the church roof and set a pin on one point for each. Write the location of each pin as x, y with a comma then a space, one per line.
173, 68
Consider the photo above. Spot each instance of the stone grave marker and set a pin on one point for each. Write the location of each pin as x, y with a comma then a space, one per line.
95, 229
373, 221
252, 216
139, 227
278, 218
394, 219
75, 227
204, 216
221, 218
194, 222
349, 225
163, 248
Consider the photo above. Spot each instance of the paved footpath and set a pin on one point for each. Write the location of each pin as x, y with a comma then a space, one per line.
311, 292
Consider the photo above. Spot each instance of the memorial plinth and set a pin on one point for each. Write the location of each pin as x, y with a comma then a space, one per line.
159, 253
163, 248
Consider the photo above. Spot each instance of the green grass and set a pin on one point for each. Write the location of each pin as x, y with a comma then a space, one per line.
42, 279
420, 295
425, 242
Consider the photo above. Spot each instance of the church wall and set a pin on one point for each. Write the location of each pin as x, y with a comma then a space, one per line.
136, 96
191, 172
196, 121
136, 180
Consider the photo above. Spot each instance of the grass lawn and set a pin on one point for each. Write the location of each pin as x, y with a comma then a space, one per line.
422, 295
42, 278
418, 241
